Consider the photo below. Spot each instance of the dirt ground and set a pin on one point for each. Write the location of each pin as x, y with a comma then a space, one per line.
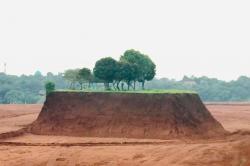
31, 149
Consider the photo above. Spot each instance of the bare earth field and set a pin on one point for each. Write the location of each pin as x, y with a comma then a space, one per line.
31, 149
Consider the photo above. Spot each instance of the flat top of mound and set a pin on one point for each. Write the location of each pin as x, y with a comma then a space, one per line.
170, 91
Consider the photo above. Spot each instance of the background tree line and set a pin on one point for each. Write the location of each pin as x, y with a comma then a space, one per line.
134, 70
30, 88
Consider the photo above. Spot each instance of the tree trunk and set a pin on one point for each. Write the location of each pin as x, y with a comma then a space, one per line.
117, 85
134, 85
128, 85
143, 84
81, 85
122, 86
71, 85
106, 84
89, 85
113, 83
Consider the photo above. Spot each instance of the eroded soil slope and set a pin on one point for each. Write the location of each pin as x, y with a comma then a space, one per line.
34, 150
159, 116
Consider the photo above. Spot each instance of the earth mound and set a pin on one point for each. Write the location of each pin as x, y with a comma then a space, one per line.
130, 115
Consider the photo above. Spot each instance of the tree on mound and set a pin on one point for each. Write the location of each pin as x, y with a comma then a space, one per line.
84, 75
125, 72
144, 66
71, 75
132, 67
105, 69
49, 87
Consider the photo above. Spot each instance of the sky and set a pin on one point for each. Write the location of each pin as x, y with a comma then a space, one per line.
194, 37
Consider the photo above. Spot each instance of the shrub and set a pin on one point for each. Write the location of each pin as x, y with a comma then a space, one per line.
49, 87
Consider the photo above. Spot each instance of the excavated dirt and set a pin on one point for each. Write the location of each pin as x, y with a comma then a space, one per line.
158, 116
43, 150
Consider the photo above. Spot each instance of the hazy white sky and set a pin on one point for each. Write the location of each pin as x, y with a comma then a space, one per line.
198, 38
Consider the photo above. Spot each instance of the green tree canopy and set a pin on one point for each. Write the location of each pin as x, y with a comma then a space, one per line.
49, 87
71, 75
84, 75
143, 65
14, 97
105, 69
125, 72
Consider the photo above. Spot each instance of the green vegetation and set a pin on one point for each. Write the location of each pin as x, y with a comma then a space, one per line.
30, 89
105, 69
143, 68
155, 91
133, 67
133, 73
49, 87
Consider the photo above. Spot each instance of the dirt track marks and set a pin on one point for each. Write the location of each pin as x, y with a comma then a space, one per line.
81, 144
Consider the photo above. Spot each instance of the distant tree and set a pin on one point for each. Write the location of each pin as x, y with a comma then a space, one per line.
14, 97
71, 75
105, 69
38, 74
49, 87
49, 75
144, 66
84, 75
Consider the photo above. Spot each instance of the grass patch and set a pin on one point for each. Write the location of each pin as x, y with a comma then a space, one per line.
155, 91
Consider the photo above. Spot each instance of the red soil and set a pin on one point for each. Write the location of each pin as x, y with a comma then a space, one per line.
159, 116
14, 117
44, 150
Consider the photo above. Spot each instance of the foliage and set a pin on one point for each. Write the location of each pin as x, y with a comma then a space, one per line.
49, 87
210, 89
153, 91
126, 72
144, 66
30, 89
84, 75
71, 75
27, 88
14, 97
105, 69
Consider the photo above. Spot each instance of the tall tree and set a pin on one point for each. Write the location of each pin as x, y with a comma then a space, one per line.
144, 66
105, 70
125, 72
71, 75
49, 87
84, 75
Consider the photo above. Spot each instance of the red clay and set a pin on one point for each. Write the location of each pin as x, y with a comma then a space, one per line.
159, 116
233, 150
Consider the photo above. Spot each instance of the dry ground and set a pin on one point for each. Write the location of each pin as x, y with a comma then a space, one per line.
58, 150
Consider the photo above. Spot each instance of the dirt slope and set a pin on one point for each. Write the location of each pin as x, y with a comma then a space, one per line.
159, 116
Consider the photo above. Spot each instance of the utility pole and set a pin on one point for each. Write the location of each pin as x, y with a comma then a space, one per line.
5, 67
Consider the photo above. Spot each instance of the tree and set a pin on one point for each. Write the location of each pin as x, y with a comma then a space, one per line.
84, 75
144, 66
125, 72
14, 97
148, 72
105, 69
49, 87
71, 75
